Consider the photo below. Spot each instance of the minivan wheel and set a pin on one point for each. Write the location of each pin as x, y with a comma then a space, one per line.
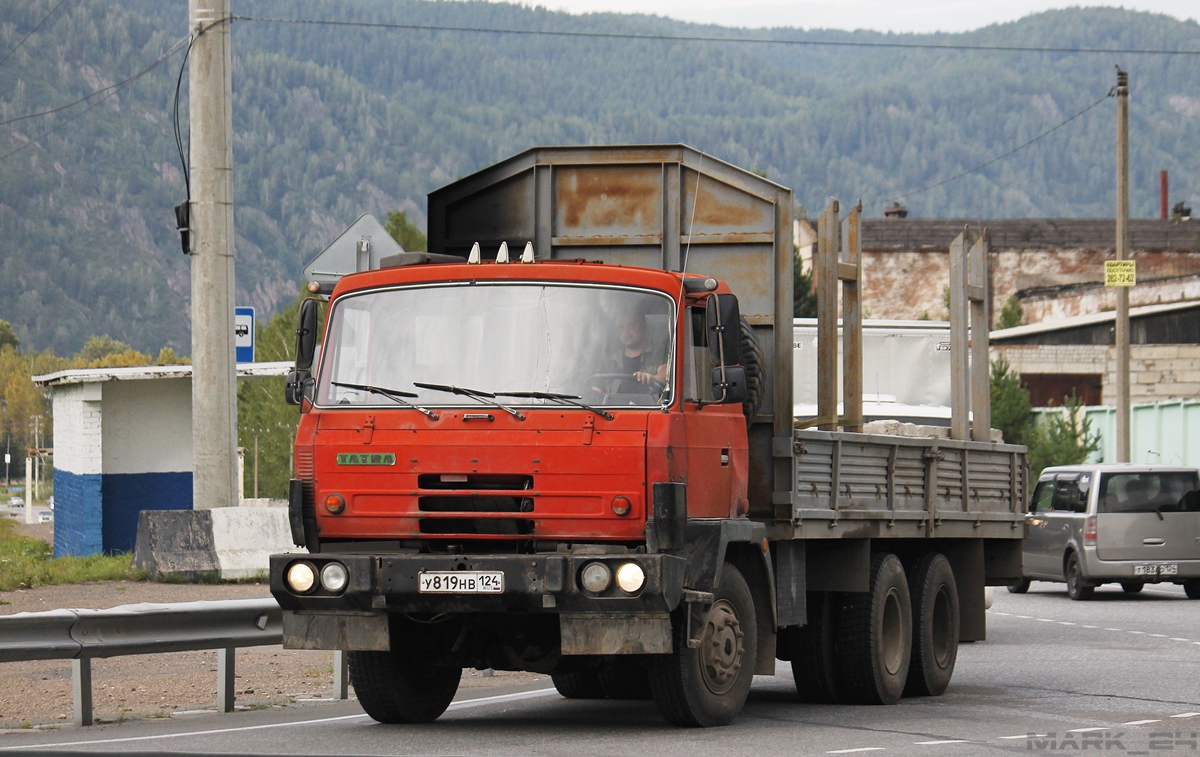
1132, 587
1077, 587
1192, 588
1019, 586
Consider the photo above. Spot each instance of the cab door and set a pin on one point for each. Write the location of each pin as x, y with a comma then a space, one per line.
715, 434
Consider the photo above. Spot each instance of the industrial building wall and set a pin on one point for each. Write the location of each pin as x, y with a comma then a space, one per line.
1165, 432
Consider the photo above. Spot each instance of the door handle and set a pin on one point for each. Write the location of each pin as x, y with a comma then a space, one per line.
1154, 541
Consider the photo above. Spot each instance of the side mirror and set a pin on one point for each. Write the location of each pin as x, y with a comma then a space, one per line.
723, 321
306, 334
298, 380
729, 384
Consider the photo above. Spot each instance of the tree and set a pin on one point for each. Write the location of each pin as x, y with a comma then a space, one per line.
1011, 314
8, 337
404, 231
99, 348
1065, 438
167, 356
1012, 411
804, 296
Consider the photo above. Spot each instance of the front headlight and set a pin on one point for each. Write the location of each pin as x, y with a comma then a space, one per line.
301, 577
595, 577
334, 577
631, 578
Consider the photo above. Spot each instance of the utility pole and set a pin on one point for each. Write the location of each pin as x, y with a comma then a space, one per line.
1122, 335
214, 396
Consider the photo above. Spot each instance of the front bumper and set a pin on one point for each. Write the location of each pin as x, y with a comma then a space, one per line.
532, 584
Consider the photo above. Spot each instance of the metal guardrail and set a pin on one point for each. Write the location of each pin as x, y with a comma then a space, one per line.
83, 635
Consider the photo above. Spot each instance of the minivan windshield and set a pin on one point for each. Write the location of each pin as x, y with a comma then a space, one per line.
456, 344
1149, 491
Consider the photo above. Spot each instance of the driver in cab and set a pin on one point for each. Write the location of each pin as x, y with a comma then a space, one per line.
641, 364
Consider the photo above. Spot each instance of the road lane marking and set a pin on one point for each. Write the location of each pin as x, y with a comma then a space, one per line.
1141, 722
1086, 730
460, 705
860, 749
1106, 628
1186, 715
944, 741
1024, 736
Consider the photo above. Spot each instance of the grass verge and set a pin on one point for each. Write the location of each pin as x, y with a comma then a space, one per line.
26, 562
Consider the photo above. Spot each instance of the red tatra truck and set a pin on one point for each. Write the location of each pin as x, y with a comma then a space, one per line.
564, 443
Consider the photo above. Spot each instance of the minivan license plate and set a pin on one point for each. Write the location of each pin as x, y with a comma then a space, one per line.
461, 582
1156, 569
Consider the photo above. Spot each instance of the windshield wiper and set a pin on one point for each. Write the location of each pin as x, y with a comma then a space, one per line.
565, 399
486, 398
393, 394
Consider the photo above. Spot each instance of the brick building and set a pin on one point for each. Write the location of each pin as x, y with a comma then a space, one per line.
1054, 267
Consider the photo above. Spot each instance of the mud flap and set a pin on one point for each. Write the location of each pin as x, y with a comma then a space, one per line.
598, 633
357, 631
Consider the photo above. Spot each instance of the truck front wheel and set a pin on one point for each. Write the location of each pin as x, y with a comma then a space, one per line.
875, 643
394, 687
708, 685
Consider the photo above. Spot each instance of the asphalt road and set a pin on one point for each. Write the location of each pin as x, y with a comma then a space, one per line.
1117, 675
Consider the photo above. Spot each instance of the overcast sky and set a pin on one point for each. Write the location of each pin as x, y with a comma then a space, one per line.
879, 15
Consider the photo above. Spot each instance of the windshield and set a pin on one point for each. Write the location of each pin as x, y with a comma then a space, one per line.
467, 342
1162, 491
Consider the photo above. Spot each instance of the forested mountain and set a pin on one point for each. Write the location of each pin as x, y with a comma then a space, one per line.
332, 121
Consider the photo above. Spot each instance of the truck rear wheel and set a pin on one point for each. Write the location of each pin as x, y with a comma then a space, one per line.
578, 684
813, 652
394, 687
1192, 588
935, 620
708, 686
875, 642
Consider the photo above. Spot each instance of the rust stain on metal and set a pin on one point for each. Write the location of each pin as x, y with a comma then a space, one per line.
722, 206
608, 197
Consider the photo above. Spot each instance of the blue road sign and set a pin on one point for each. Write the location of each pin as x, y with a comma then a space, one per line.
243, 334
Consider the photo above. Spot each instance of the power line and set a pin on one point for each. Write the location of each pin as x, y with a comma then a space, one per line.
109, 92
998, 158
733, 40
85, 98
30, 32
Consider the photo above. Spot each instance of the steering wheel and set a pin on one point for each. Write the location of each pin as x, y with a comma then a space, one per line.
654, 386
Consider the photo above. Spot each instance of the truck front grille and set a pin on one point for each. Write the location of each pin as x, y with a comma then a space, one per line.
491, 526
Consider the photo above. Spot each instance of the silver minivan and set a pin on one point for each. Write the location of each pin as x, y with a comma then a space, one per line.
1113, 523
